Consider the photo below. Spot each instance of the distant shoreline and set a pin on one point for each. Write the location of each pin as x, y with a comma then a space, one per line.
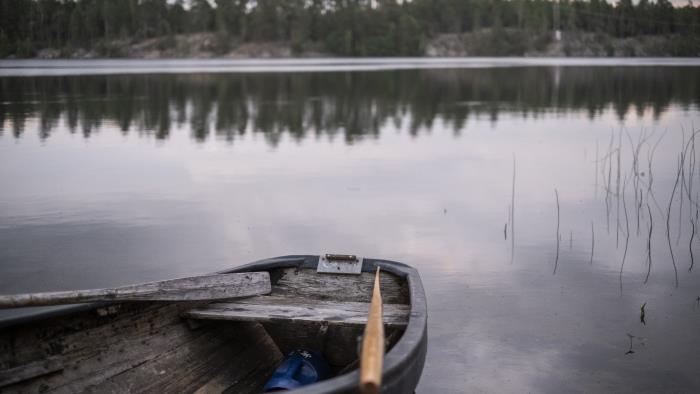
57, 67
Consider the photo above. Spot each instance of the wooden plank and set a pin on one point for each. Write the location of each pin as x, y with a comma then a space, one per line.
94, 349
209, 287
275, 308
30, 371
247, 372
213, 362
306, 283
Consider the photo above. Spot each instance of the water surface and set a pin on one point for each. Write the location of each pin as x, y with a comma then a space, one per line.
110, 178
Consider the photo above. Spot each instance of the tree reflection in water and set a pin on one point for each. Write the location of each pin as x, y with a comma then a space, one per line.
351, 104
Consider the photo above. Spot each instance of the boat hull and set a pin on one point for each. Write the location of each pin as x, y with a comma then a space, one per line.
53, 349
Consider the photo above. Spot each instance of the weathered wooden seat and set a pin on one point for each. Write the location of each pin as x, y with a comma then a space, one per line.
306, 309
277, 309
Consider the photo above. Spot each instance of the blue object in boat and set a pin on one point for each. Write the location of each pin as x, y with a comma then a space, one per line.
299, 368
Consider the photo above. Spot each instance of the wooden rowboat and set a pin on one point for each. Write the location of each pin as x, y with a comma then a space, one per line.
225, 345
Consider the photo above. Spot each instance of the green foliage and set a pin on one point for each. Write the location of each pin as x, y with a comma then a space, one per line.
409, 36
25, 48
505, 42
688, 46
222, 43
609, 48
5, 45
342, 27
168, 42
106, 48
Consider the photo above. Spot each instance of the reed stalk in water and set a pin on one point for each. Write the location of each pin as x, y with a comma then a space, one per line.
681, 169
636, 148
651, 229
607, 191
556, 259
595, 190
690, 243
617, 189
630, 351
668, 224
627, 230
650, 159
592, 242
512, 216
638, 208
690, 149
691, 168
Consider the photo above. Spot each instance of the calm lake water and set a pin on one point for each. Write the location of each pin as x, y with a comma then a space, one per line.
116, 173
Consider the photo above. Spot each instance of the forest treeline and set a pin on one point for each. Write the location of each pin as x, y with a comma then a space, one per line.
339, 27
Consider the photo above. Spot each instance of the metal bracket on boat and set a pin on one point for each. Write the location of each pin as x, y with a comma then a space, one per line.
339, 264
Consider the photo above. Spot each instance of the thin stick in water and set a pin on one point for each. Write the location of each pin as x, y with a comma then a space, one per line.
691, 168
690, 244
635, 148
639, 207
607, 192
651, 228
595, 189
650, 160
668, 225
556, 259
592, 242
617, 190
681, 167
512, 216
627, 231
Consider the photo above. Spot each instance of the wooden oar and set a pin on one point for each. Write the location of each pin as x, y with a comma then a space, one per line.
208, 287
372, 357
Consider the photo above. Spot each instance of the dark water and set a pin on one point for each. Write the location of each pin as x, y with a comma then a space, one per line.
116, 179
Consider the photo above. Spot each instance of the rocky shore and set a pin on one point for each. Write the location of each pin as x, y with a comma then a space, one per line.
511, 42
487, 42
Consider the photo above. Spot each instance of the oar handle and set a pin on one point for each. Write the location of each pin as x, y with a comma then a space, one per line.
195, 288
372, 358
